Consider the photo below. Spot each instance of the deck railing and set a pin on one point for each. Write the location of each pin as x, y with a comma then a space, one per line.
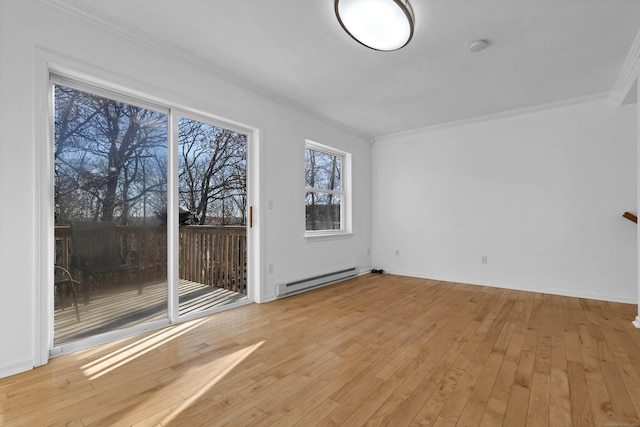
215, 256
211, 255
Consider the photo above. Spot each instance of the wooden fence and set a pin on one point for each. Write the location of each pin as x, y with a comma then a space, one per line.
214, 256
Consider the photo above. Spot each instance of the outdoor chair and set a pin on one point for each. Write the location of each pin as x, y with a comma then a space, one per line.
96, 252
62, 278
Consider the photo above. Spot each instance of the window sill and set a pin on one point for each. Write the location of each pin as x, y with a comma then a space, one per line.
324, 236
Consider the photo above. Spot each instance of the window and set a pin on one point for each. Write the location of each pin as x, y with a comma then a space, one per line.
327, 196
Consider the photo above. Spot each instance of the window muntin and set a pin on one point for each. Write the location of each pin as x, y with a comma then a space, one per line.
325, 198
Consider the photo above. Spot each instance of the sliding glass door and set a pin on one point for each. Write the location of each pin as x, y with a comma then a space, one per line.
212, 197
110, 195
129, 177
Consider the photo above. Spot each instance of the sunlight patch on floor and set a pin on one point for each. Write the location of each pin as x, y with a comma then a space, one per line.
222, 366
116, 359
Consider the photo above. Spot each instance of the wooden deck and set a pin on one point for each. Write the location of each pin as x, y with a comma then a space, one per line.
122, 308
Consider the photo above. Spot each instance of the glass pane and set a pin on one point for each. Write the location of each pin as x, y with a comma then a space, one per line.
323, 211
213, 215
323, 170
110, 188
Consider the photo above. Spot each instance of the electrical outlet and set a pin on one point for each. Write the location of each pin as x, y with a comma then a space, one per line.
270, 268
397, 252
484, 259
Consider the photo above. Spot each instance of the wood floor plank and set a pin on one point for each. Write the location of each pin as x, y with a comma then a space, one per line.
462, 392
375, 350
369, 407
504, 380
412, 405
443, 422
472, 413
518, 406
488, 376
493, 414
538, 412
347, 407
559, 400
430, 411
525, 369
293, 411
581, 413
623, 406
592, 354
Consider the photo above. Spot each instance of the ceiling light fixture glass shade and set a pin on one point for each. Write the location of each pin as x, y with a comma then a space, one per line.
378, 24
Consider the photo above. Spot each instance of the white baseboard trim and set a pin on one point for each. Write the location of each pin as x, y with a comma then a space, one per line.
269, 298
364, 271
17, 368
550, 291
636, 322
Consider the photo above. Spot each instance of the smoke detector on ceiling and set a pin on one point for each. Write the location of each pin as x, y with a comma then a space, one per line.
478, 45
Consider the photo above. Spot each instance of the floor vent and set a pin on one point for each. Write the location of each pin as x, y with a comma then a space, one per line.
315, 282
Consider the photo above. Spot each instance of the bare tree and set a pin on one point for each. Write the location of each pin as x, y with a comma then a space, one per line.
310, 180
110, 163
100, 147
323, 179
212, 175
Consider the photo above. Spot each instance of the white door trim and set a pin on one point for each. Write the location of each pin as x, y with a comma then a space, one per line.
46, 62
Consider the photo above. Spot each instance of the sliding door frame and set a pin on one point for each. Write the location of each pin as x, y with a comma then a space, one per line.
251, 134
46, 63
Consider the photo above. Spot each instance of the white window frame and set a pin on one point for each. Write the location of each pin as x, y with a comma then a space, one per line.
345, 192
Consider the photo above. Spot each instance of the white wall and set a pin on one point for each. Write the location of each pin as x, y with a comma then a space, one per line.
636, 86
540, 194
29, 27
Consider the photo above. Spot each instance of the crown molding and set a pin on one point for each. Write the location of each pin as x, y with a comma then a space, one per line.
502, 115
82, 10
628, 73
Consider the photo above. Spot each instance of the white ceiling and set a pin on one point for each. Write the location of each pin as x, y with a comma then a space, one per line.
540, 52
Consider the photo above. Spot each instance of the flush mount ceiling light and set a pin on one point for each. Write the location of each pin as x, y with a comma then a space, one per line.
378, 24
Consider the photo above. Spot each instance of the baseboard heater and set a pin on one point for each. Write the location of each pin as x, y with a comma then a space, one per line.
315, 282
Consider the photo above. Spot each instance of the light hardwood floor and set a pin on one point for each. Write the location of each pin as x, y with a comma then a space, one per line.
376, 350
